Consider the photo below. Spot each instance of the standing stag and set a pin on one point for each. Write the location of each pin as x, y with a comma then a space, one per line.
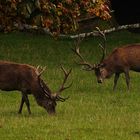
121, 60
27, 79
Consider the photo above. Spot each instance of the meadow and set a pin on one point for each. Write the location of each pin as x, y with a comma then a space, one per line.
93, 111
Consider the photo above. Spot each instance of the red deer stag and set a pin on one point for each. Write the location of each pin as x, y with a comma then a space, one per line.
121, 60
27, 79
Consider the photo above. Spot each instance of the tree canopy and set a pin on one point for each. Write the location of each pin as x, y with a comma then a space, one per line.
58, 16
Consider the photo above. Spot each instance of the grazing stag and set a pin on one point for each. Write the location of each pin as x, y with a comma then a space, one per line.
121, 60
27, 79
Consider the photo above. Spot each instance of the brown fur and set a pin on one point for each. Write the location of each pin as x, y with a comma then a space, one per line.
121, 60
24, 78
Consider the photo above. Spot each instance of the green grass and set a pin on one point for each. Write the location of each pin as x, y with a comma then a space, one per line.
93, 112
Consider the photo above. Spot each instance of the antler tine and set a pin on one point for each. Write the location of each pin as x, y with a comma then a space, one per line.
104, 52
37, 67
65, 79
47, 92
77, 52
40, 70
78, 40
66, 74
77, 43
58, 98
103, 47
84, 63
101, 32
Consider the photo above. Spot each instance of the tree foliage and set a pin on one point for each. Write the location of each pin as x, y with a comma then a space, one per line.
58, 16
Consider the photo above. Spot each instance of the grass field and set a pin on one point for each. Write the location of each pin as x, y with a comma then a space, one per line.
93, 111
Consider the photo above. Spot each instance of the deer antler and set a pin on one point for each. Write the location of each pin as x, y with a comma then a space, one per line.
65, 79
87, 65
103, 46
40, 70
45, 88
62, 87
47, 91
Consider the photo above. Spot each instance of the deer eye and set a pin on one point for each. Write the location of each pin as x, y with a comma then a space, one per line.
102, 65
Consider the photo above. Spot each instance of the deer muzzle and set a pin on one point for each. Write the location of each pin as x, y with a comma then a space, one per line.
100, 81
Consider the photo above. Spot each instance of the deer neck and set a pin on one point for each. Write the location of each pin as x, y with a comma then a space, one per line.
107, 71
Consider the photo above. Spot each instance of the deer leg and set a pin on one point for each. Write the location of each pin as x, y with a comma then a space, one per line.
21, 105
26, 100
127, 77
27, 104
115, 80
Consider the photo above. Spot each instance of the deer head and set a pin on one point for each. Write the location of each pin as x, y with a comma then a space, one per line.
52, 98
87, 65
